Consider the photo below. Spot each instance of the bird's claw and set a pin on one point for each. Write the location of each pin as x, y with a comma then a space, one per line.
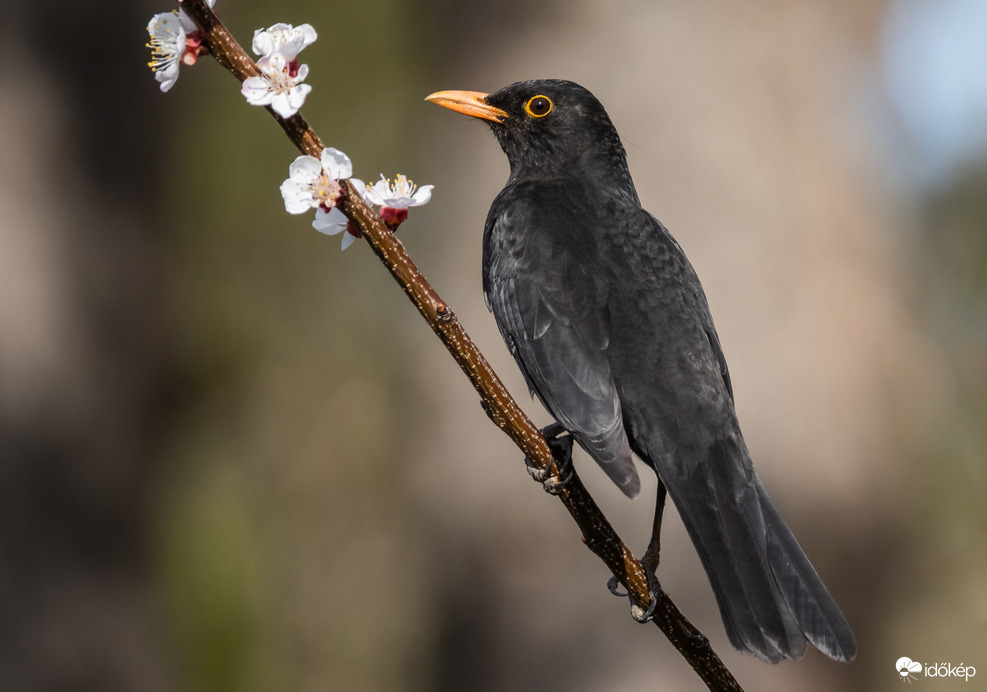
640, 614
644, 616
612, 585
553, 485
654, 593
560, 442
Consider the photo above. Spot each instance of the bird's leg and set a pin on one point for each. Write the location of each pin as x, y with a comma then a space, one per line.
651, 555
649, 562
560, 442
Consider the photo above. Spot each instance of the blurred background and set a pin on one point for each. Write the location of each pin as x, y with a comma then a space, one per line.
234, 459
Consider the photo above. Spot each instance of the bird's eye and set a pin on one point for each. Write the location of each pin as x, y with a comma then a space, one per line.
538, 106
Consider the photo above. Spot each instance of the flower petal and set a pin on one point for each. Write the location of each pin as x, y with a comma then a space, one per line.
168, 76
308, 34
336, 164
257, 91
283, 38
263, 43
378, 192
273, 64
297, 200
422, 196
186, 22
287, 104
348, 239
306, 169
330, 222
297, 190
296, 98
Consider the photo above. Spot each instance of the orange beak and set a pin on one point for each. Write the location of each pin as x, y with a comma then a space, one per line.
472, 103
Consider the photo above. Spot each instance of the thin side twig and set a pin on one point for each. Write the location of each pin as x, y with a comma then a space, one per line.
596, 530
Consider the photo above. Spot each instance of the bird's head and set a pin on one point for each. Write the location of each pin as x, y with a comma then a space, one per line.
547, 127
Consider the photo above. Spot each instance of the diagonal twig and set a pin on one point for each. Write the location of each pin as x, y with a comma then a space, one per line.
598, 535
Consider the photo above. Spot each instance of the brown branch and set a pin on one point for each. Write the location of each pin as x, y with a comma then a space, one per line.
597, 532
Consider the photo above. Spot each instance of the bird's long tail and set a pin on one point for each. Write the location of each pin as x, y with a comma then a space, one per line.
815, 611
770, 597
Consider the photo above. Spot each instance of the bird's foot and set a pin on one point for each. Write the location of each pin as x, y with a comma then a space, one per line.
560, 442
654, 593
654, 590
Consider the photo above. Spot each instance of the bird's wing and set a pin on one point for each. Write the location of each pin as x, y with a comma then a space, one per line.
554, 318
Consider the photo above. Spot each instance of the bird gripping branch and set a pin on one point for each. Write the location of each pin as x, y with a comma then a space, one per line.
609, 324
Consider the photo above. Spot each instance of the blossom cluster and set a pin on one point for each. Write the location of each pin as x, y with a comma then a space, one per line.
279, 84
313, 183
175, 41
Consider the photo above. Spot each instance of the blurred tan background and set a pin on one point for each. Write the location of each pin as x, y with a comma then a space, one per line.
232, 458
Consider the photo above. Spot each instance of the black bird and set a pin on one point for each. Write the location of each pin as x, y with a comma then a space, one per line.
610, 326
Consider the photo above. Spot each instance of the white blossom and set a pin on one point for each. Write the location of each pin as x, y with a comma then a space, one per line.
400, 194
174, 40
314, 183
278, 86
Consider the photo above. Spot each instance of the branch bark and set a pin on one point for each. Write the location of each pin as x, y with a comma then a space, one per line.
598, 535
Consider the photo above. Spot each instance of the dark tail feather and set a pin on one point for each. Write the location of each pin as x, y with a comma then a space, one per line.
769, 596
816, 612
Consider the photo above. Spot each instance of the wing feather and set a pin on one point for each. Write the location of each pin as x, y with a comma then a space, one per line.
555, 320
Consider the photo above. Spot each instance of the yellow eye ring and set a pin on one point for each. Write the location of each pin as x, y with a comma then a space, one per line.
538, 106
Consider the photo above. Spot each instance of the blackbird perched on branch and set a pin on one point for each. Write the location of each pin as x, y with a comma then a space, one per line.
610, 326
